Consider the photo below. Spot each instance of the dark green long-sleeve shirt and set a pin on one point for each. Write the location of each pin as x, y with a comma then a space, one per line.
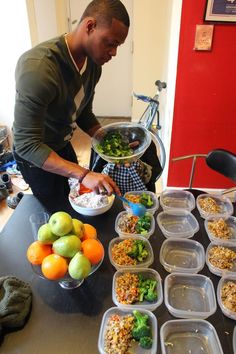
48, 100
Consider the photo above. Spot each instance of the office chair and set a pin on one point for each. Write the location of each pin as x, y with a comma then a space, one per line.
219, 160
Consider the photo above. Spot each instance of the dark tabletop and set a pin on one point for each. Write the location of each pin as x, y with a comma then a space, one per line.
68, 321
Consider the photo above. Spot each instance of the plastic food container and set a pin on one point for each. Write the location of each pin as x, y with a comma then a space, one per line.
177, 199
182, 255
152, 195
234, 340
230, 222
178, 224
223, 282
225, 206
189, 295
121, 233
147, 273
144, 264
136, 349
189, 336
218, 271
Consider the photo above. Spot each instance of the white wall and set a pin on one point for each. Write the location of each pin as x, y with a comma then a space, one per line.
45, 16
15, 39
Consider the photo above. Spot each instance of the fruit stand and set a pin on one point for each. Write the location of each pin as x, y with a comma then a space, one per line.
68, 321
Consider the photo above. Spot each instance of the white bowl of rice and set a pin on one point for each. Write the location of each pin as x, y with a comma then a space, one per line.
91, 204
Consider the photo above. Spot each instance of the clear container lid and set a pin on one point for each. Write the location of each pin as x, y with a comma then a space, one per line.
226, 290
189, 295
189, 336
135, 348
151, 209
146, 273
220, 229
218, 254
214, 205
120, 263
182, 255
122, 214
177, 223
177, 199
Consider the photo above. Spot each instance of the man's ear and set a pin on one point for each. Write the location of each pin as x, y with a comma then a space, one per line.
90, 25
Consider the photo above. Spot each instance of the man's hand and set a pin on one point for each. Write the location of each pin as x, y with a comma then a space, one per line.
100, 183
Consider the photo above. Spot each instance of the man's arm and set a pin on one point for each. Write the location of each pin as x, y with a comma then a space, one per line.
92, 180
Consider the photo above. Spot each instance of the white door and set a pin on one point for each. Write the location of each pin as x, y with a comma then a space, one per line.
113, 96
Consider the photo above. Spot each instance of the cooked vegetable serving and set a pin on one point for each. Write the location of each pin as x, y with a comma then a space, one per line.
113, 144
132, 224
143, 198
121, 331
129, 252
131, 288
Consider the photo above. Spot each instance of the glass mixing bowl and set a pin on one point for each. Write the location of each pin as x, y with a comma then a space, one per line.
134, 135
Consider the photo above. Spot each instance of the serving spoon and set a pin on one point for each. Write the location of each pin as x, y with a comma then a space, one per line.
138, 209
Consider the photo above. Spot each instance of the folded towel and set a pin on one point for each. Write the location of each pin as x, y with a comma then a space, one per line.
15, 302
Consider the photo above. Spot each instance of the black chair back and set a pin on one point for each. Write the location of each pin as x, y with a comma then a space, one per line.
222, 161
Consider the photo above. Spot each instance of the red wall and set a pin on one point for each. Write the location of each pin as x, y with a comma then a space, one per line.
205, 107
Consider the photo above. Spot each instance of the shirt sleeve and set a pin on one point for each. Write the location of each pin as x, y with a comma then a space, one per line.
35, 89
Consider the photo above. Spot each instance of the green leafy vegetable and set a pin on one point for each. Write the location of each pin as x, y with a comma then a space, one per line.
138, 251
143, 224
146, 200
114, 145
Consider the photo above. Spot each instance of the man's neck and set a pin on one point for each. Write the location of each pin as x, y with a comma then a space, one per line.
76, 52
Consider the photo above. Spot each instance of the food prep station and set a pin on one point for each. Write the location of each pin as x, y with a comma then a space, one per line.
189, 307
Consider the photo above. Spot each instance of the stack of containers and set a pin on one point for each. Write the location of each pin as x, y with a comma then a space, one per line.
220, 227
187, 295
142, 269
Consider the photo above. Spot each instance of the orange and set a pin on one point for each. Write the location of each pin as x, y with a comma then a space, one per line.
93, 250
54, 267
37, 251
89, 232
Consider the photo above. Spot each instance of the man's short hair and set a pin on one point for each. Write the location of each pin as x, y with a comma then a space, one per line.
106, 10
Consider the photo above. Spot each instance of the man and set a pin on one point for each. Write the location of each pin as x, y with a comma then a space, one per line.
55, 84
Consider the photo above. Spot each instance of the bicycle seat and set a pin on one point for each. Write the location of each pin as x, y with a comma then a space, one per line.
222, 161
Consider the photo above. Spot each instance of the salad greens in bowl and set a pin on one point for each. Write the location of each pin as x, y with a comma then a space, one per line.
121, 142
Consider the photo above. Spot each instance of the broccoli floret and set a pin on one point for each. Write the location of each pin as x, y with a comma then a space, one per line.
145, 342
134, 251
146, 200
138, 251
141, 328
142, 293
143, 255
151, 294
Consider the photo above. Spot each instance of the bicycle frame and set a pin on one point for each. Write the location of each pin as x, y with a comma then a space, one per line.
148, 117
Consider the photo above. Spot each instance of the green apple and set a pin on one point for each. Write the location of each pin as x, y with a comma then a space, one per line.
67, 246
45, 235
78, 228
79, 267
60, 223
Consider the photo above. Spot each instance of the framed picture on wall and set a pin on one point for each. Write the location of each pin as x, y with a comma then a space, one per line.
220, 11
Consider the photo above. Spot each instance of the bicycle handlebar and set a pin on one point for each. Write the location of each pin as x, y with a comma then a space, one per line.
160, 84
